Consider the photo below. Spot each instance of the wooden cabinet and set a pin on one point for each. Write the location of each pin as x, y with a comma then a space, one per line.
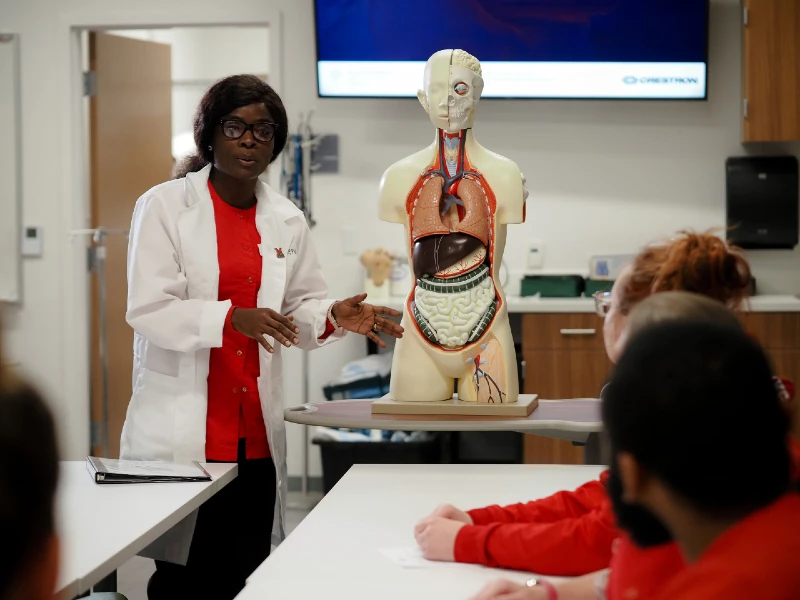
565, 357
779, 335
771, 71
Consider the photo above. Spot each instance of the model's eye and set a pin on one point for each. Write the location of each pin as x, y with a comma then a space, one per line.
461, 88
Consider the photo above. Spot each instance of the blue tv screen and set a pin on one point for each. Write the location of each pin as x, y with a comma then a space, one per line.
604, 49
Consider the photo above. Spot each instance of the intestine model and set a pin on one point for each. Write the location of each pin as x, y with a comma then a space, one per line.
455, 199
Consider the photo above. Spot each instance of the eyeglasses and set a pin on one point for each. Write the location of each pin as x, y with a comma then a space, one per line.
262, 131
602, 303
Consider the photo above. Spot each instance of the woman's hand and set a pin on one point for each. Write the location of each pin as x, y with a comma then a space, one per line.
503, 589
448, 511
356, 316
257, 322
437, 538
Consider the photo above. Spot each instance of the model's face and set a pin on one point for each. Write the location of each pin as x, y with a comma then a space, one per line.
450, 94
244, 155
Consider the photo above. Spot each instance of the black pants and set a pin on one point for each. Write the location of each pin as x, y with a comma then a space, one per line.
231, 538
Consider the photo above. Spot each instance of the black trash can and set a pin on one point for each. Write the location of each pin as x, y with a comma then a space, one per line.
339, 456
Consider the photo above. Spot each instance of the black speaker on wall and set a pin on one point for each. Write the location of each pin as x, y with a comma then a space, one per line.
762, 201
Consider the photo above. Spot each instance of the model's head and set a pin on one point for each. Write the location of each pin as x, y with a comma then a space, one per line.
700, 263
240, 127
451, 90
671, 455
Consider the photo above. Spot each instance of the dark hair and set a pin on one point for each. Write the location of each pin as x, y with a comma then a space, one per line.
679, 395
225, 96
28, 479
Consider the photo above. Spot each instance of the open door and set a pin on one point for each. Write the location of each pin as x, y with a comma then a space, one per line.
131, 151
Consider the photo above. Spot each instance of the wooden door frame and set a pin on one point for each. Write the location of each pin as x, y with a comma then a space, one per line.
74, 208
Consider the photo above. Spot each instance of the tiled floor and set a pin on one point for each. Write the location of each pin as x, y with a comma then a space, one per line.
132, 577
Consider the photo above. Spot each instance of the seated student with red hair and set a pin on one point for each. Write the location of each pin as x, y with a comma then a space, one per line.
638, 572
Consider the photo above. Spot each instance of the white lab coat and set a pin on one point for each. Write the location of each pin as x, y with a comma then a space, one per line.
173, 307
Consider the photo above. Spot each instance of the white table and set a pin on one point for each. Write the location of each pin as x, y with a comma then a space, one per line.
102, 526
334, 553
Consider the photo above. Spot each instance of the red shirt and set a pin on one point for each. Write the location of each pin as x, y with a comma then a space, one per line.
234, 406
758, 558
568, 533
642, 573
572, 533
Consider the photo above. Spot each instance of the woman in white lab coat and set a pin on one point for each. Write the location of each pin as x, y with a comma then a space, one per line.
222, 272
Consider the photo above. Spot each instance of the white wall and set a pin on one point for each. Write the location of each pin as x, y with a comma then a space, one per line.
603, 176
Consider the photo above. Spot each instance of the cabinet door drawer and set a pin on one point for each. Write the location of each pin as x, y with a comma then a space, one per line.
568, 331
775, 331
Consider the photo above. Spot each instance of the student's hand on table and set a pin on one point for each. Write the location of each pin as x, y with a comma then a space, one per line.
503, 589
437, 537
448, 511
355, 315
259, 322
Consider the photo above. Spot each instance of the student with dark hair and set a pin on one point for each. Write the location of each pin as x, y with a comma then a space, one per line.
677, 471
28, 480
222, 273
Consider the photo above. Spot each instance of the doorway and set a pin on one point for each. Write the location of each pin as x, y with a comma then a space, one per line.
141, 90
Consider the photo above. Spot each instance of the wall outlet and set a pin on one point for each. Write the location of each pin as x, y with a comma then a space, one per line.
535, 250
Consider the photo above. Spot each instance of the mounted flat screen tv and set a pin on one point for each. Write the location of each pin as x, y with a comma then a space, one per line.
598, 49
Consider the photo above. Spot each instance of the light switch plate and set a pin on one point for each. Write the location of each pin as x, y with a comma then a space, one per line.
32, 242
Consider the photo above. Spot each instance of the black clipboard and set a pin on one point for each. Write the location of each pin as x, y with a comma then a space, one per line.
107, 470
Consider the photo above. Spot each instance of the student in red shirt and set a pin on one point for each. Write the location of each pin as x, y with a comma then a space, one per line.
728, 506
571, 533
674, 473
642, 572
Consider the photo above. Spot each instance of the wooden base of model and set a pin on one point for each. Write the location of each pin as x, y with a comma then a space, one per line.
524, 406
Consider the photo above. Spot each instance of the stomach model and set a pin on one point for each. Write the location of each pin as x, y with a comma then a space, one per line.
450, 218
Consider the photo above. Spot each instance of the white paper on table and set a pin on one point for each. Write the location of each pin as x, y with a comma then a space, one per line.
407, 557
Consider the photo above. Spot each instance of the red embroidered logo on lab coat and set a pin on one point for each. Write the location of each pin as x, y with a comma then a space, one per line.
279, 252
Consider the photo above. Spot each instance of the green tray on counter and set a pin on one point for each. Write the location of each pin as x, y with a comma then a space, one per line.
597, 285
552, 286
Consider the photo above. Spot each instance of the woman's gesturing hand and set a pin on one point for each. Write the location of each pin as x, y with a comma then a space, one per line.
259, 322
357, 316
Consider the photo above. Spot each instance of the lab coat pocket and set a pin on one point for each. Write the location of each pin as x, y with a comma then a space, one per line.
152, 415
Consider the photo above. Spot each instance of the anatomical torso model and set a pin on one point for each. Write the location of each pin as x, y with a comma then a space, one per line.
456, 199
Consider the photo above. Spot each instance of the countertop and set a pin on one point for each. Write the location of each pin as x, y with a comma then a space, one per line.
533, 304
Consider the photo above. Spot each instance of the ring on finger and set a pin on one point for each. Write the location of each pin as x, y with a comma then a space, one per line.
375, 326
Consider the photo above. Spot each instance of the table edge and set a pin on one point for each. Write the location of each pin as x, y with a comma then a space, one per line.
85, 582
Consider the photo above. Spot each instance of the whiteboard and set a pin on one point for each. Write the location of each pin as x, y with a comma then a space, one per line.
10, 197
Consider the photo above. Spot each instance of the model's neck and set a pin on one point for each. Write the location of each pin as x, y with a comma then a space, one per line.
464, 137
